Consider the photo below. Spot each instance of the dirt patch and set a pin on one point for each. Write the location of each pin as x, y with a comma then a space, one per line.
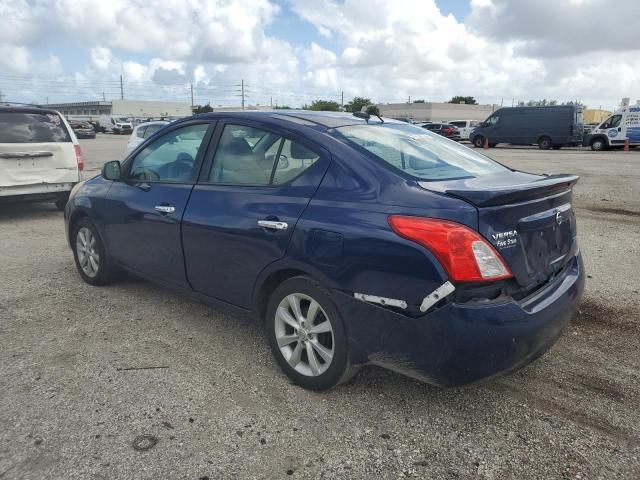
616, 211
597, 315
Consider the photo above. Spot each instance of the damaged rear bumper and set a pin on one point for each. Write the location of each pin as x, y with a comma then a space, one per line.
461, 343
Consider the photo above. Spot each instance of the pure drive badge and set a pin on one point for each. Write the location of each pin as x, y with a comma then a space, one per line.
506, 239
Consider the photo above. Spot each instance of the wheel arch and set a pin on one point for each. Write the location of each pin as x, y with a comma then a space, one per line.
274, 275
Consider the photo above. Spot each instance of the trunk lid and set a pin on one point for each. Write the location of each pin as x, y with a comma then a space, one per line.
36, 147
29, 164
528, 218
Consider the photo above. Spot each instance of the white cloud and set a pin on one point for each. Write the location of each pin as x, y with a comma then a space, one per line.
384, 49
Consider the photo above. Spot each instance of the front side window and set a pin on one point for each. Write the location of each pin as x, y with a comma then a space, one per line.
420, 154
140, 131
492, 120
252, 156
171, 158
18, 127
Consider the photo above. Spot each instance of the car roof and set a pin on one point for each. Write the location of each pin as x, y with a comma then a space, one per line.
10, 108
154, 122
309, 118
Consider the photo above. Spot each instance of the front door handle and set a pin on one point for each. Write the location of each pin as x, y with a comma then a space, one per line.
273, 225
165, 209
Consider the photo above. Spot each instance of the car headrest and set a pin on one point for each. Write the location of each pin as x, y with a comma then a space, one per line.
237, 146
301, 152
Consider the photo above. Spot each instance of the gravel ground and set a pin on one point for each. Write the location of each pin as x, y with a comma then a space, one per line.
86, 372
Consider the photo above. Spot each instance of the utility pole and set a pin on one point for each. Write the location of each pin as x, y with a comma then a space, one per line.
46, 99
191, 85
242, 87
271, 102
409, 101
103, 97
121, 89
342, 100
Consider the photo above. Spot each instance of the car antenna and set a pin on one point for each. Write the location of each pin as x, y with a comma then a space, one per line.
366, 115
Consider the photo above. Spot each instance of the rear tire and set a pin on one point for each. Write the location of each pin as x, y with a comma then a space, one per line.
92, 261
307, 335
478, 141
61, 202
544, 143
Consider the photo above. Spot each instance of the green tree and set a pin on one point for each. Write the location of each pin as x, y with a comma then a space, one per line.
373, 110
282, 107
202, 108
461, 99
419, 101
323, 105
357, 103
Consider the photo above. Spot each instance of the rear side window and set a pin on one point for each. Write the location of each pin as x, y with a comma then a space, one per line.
18, 127
151, 129
423, 155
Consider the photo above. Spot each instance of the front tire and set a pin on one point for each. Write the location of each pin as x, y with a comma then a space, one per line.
92, 261
478, 141
598, 145
307, 336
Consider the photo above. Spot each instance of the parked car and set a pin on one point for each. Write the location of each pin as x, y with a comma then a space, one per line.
621, 127
142, 131
83, 129
548, 127
444, 129
355, 241
465, 127
40, 158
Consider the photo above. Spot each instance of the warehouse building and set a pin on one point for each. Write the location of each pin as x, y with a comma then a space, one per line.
122, 108
436, 112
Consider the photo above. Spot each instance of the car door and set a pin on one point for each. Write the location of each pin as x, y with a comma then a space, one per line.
245, 206
144, 210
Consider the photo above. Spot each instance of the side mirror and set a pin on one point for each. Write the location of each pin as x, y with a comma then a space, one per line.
112, 170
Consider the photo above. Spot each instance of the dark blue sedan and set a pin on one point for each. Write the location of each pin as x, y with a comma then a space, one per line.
357, 240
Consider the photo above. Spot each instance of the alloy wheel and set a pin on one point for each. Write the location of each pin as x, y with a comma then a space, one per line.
87, 252
304, 334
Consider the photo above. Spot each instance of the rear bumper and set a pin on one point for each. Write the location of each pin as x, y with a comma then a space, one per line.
464, 343
34, 192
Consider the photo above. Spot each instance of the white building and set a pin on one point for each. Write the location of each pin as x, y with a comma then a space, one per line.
122, 108
436, 112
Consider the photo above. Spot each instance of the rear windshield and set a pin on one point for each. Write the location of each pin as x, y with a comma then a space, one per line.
420, 153
16, 127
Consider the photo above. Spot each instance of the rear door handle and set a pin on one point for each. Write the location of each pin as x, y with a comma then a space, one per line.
165, 209
273, 224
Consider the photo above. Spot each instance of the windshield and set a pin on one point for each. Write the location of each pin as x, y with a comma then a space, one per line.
420, 153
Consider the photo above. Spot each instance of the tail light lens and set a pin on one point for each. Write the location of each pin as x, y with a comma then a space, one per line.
79, 157
463, 252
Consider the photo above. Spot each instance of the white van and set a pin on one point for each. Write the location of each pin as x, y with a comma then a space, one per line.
116, 125
621, 126
465, 127
40, 158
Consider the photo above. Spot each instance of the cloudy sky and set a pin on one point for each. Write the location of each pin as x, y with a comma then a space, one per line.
293, 51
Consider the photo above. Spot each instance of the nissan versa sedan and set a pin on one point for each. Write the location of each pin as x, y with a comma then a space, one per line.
356, 239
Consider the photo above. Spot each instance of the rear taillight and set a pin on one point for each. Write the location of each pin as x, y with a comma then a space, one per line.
79, 158
464, 254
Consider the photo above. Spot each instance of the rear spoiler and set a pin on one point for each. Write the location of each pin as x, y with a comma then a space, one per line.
550, 185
